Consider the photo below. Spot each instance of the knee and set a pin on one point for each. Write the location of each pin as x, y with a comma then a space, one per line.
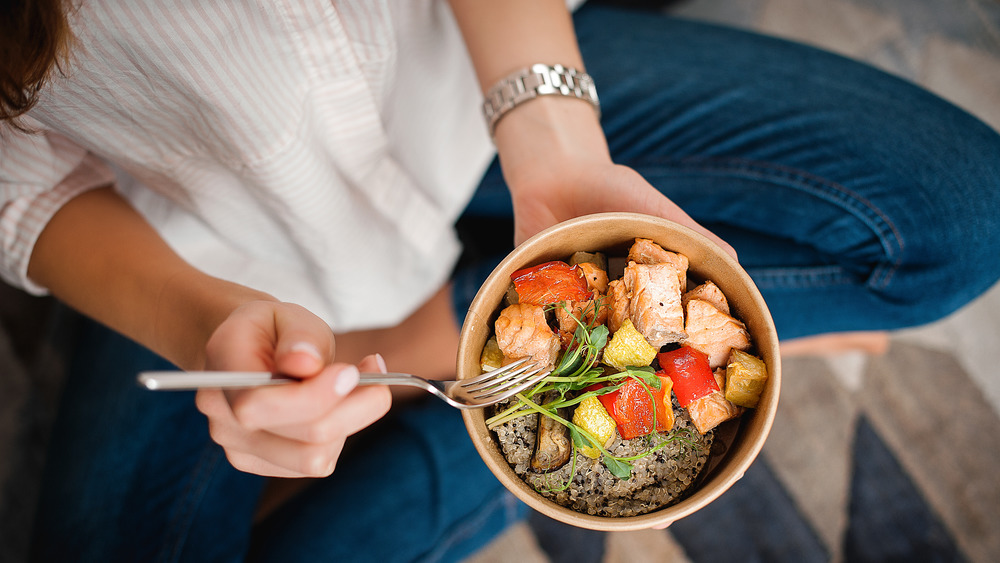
944, 266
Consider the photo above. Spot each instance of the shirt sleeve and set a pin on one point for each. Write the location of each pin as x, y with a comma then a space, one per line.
39, 173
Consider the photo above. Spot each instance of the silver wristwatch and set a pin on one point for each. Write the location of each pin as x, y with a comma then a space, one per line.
537, 80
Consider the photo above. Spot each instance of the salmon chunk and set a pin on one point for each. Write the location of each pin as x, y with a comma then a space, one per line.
655, 302
645, 251
713, 332
588, 312
521, 332
618, 308
597, 277
713, 409
710, 292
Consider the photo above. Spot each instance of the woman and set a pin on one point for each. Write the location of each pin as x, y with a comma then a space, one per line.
273, 186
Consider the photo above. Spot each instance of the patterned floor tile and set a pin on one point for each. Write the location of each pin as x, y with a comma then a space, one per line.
644, 546
755, 520
517, 544
810, 443
946, 436
889, 518
968, 76
563, 543
970, 336
846, 28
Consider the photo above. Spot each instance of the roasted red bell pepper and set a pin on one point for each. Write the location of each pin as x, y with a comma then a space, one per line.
549, 283
689, 370
629, 405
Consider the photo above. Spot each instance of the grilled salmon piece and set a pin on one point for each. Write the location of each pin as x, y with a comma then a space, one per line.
521, 332
710, 292
597, 277
713, 409
713, 332
591, 313
618, 308
655, 302
645, 251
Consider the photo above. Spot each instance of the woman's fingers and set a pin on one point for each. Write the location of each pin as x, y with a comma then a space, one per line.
651, 200
366, 405
294, 430
264, 335
304, 343
301, 402
281, 455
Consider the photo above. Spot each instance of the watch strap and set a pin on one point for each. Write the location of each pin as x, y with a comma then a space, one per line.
537, 80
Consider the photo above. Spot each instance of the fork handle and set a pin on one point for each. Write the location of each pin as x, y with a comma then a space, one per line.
391, 378
194, 380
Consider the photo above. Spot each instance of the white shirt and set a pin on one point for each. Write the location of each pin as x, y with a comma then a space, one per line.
317, 150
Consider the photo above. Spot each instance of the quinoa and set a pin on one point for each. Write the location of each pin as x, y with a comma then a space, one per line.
660, 478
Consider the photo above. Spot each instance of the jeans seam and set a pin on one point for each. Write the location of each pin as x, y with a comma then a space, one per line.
180, 525
857, 205
470, 525
825, 276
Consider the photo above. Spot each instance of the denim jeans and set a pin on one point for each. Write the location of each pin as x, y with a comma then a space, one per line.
855, 200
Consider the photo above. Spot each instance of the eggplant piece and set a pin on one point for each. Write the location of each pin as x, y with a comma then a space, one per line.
553, 446
596, 258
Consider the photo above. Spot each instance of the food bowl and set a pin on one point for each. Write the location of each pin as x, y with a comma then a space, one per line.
613, 233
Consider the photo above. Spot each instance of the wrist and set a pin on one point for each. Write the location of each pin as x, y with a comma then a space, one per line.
190, 307
547, 139
533, 81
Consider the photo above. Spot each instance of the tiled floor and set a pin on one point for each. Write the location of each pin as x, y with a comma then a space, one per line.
855, 433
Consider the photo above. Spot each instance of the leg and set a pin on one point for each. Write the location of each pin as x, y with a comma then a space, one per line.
856, 201
410, 488
131, 475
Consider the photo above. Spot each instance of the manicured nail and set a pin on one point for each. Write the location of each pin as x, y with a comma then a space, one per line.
309, 349
347, 380
380, 362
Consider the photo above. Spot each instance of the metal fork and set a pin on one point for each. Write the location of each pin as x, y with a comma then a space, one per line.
481, 391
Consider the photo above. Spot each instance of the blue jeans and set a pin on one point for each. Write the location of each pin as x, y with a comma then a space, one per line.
856, 201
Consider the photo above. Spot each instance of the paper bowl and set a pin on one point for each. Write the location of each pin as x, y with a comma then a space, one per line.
613, 233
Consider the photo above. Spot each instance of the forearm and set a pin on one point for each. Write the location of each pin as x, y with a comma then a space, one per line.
99, 256
504, 36
535, 139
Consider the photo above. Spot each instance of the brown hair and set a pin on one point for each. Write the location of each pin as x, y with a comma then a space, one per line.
34, 38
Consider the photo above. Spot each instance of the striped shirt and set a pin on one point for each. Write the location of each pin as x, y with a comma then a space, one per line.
318, 150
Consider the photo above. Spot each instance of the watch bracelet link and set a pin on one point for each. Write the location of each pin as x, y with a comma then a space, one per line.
537, 80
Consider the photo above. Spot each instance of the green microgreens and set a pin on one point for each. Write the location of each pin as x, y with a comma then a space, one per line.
578, 369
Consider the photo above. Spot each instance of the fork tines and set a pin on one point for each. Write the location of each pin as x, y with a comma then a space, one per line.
492, 383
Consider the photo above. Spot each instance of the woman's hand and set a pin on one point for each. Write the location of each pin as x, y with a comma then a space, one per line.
295, 430
556, 161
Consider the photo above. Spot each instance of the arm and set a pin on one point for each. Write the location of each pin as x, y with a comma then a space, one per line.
552, 150
101, 257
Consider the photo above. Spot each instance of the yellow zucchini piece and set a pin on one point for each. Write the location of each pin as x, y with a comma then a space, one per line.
591, 416
628, 348
745, 378
492, 357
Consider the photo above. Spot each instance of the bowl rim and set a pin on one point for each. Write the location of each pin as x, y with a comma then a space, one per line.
710, 255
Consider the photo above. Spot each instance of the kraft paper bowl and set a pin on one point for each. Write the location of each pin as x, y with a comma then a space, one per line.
613, 233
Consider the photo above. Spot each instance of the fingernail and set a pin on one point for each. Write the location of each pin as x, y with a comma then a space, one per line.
307, 348
347, 380
380, 362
